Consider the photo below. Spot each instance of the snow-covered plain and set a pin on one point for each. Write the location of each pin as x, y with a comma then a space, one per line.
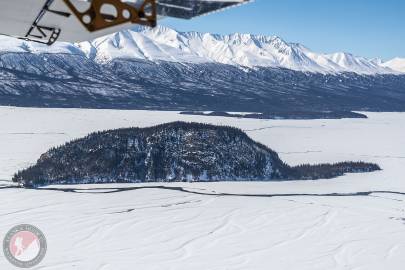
327, 224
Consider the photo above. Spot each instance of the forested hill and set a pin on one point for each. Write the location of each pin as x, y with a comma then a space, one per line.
175, 151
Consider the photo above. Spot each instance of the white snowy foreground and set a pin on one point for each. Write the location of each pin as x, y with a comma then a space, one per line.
353, 222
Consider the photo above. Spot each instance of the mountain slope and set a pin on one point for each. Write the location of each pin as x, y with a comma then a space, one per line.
397, 64
66, 80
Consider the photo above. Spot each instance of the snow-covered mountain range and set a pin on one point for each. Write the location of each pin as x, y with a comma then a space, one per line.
236, 49
162, 69
245, 50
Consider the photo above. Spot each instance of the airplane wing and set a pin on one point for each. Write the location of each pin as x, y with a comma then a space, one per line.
47, 21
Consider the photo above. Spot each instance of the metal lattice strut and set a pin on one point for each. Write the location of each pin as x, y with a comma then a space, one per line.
95, 18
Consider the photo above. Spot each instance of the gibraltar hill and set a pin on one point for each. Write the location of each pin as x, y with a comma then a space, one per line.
171, 152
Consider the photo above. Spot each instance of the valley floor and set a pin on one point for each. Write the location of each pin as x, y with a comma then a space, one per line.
353, 222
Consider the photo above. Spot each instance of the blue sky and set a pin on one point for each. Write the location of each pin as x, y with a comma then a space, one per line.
370, 28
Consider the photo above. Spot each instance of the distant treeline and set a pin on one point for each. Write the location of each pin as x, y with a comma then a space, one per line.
327, 171
283, 114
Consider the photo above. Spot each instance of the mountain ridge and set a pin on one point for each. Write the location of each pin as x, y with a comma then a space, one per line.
242, 50
245, 50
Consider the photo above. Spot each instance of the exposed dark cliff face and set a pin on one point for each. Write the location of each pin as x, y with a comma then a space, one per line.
170, 152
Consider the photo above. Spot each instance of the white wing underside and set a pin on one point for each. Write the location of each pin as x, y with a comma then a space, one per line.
20, 18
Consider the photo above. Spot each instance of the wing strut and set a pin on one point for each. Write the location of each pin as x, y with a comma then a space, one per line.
38, 32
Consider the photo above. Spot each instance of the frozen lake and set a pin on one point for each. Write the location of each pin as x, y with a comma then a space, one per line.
353, 222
